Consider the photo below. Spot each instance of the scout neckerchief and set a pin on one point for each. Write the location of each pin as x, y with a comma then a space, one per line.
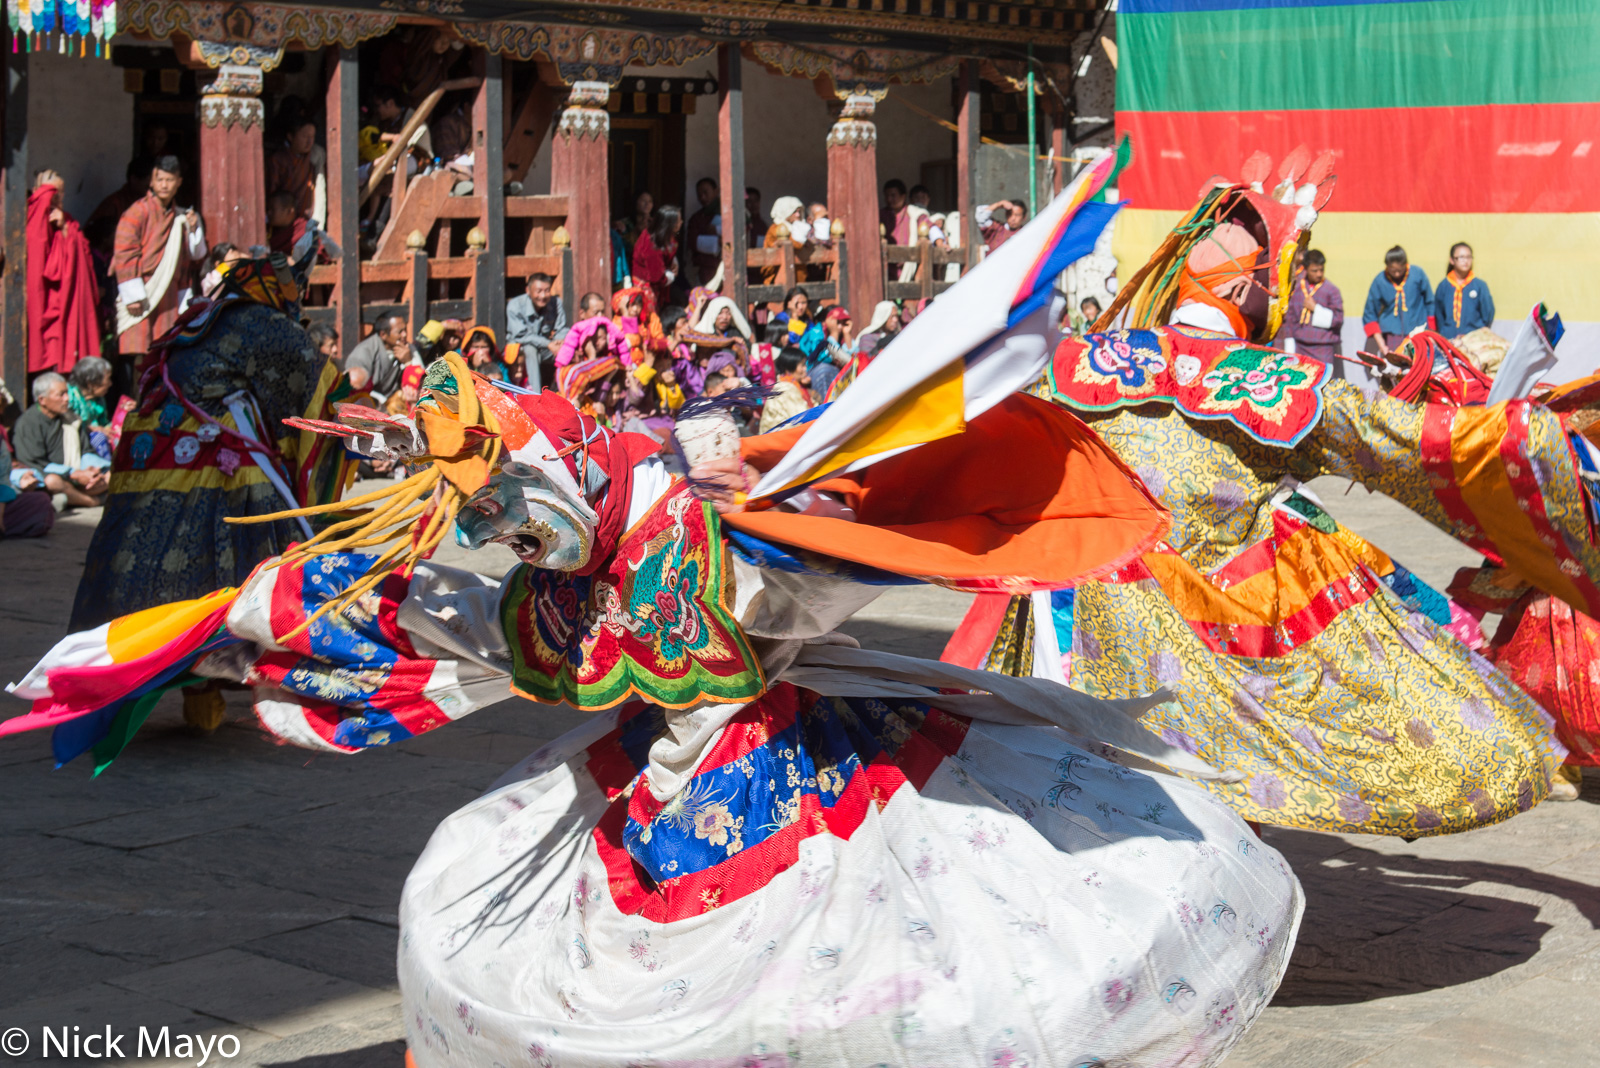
1400, 294
1455, 307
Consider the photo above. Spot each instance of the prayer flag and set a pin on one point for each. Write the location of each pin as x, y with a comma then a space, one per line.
986, 337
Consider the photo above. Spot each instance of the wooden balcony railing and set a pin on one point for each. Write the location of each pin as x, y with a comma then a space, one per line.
428, 263
932, 267
791, 262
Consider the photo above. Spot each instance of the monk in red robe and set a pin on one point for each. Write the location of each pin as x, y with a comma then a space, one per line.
62, 291
153, 269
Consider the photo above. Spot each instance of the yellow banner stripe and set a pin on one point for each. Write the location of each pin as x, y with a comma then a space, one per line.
1525, 258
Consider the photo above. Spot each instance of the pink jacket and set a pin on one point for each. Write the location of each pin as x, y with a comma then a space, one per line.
581, 332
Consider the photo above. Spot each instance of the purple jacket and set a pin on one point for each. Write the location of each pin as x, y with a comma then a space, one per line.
1313, 340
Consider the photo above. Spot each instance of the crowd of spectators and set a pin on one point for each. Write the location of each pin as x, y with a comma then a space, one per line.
631, 358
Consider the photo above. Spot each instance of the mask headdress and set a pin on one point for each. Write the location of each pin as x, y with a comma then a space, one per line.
1239, 235
525, 469
454, 435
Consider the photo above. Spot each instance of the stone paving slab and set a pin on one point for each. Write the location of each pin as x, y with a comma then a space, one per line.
226, 885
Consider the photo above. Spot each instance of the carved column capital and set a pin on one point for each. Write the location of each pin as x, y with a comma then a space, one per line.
585, 114
855, 127
233, 99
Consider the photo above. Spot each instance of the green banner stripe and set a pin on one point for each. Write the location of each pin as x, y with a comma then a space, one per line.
1432, 54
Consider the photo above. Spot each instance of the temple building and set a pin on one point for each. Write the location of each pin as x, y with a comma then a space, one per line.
522, 133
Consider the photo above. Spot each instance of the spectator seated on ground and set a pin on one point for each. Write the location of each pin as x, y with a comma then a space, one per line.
482, 353
591, 338
87, 387
25, 508
537, 318
325, 339
374, 364
53, 446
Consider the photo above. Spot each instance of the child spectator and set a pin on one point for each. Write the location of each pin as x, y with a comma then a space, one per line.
764, 355
792, 397
592, 337
633, 311
482, 354
285, 226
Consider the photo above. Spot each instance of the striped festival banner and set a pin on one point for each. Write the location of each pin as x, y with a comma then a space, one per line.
1450, 120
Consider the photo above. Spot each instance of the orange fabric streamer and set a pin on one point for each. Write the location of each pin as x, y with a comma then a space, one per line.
961, 512
1190, 290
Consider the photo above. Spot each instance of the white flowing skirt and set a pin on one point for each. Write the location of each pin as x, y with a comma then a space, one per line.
1028, 903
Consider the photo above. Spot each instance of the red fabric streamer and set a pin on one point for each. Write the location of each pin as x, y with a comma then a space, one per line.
1554, 654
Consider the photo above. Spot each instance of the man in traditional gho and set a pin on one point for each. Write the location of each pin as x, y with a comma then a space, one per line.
1315, 316
157, 247
299, 169
899, 216
1300, 655
767, 843
1399, 302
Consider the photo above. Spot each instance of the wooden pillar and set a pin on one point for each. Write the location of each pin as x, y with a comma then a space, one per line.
730, 175
853, 200
232, 170
14, 196
489, 181
344, 194
967, 134
580, 168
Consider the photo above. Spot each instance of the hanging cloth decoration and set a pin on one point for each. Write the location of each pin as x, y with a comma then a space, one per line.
73, 22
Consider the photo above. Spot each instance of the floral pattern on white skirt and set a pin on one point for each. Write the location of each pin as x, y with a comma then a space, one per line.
1020, 901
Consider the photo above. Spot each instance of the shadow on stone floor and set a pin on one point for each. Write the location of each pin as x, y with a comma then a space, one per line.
381, 1055
1379, 925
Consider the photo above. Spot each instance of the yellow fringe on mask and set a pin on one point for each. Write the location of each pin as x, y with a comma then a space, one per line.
424, 505
1153, 291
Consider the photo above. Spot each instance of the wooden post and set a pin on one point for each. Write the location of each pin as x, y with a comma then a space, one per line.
528, 129
233, 172
417, 290
967, 134
489, 182
730, 174
14, 190
853, 199
344, 206
1056, 123
580, 167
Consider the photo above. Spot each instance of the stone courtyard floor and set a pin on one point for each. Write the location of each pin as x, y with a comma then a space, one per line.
228, 885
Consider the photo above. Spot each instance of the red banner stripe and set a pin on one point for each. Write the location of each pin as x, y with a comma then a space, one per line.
1491, 158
